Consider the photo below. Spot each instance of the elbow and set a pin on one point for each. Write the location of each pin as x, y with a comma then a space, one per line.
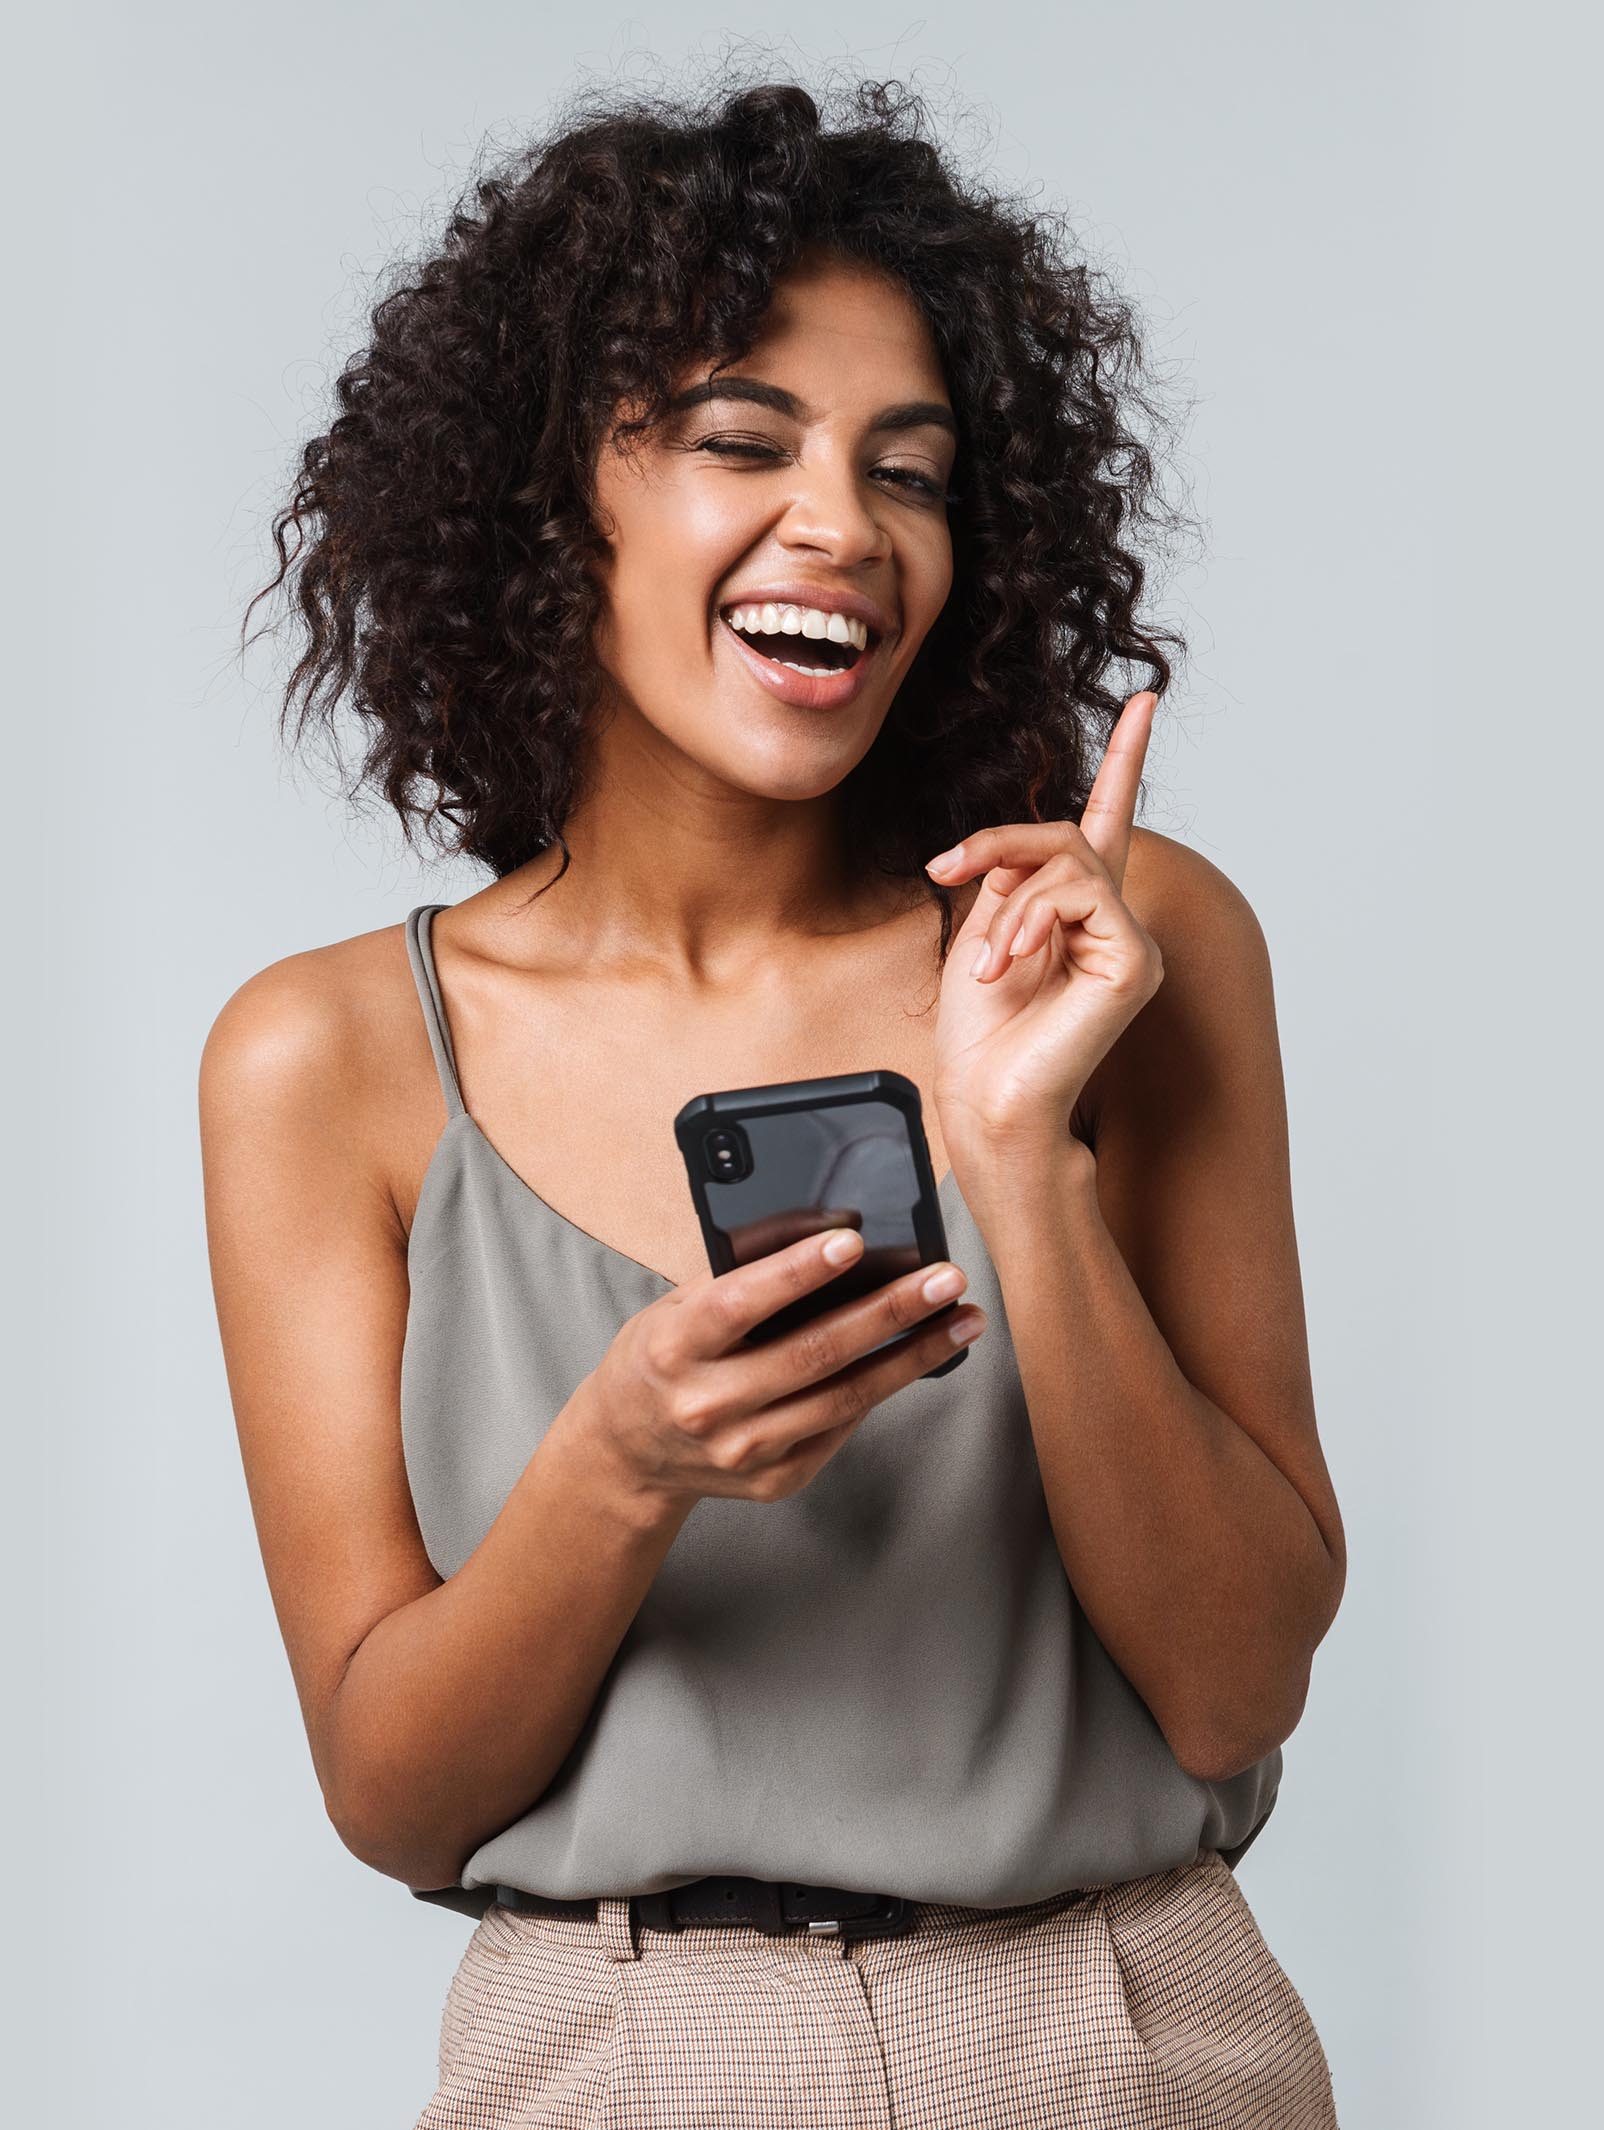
361, 1835
1221, 1764
403, 1853
1216, 1751
373, 1808
1235, 1733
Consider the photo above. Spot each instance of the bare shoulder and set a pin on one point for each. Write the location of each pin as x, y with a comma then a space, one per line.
1214, 1010
1187, 904
315, 1035
307, 1010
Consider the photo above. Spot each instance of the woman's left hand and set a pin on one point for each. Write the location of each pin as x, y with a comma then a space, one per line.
1049, 965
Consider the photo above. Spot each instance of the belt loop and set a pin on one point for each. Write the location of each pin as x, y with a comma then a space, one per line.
617, 1928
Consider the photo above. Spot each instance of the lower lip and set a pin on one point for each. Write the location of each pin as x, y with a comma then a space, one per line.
808, 691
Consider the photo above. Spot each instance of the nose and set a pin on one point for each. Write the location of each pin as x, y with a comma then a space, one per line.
833, 511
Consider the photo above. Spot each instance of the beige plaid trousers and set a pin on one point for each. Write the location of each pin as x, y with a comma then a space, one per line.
1155, 2002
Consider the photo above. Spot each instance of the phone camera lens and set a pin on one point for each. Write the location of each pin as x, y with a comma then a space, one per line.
724, 1155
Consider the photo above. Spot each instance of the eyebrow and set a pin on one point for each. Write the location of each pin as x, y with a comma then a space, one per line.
910, 414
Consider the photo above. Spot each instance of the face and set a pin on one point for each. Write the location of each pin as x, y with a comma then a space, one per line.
821, 489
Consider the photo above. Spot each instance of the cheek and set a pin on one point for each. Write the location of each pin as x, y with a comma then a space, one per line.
941, 567
711, 528
673, 539
927, 585
682, 546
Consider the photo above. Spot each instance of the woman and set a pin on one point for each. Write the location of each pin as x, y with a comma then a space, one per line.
726, 534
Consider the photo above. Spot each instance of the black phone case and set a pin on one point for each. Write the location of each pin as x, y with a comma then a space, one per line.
804, 1126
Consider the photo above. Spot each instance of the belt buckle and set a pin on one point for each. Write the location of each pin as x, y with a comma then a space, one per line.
889, 1917
765, 1910
894, 1917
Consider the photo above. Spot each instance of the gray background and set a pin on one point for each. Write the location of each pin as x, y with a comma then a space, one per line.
1360, 236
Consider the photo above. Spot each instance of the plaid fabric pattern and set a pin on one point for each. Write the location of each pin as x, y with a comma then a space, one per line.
1152, 2005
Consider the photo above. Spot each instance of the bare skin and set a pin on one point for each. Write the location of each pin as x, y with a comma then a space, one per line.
708, 933
611, 1052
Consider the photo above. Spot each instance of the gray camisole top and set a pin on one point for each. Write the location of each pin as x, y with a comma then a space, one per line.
883, 1682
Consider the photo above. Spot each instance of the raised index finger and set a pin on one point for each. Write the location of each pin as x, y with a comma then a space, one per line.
1111, 806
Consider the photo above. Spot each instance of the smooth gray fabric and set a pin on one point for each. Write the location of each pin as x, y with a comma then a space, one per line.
883, 1682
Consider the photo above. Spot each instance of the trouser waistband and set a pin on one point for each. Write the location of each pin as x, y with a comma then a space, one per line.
772, 1906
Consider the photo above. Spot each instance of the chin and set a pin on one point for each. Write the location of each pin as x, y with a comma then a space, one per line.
789, 768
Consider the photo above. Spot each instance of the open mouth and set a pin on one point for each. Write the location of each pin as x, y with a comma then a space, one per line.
821, 657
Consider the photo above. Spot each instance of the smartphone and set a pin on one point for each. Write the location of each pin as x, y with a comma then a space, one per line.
768, 1165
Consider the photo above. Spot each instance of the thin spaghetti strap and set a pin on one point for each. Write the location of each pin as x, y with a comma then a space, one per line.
420, 952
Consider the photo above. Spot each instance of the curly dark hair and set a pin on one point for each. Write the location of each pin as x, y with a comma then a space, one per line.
444, 524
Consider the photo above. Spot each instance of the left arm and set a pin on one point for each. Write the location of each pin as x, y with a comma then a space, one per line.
1149, 1270
1154, 1302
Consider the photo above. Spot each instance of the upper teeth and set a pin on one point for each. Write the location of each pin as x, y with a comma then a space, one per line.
768, 620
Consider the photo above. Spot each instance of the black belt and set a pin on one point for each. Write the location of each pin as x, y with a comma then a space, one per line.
766, 1904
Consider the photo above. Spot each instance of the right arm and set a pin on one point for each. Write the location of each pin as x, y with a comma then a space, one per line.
459, 1707
438, 1711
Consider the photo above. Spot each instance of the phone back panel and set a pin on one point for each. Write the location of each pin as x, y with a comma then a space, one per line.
768, 1165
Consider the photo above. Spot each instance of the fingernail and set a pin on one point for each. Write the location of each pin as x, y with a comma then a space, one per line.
966, 1325
982, 960
940, 1285
940, 863
842, 1246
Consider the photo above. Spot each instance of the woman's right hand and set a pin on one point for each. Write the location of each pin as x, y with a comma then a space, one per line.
682, 1409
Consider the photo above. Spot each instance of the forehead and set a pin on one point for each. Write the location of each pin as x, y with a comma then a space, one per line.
836, 332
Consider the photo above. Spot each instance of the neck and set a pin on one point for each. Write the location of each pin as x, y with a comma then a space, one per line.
673, 870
